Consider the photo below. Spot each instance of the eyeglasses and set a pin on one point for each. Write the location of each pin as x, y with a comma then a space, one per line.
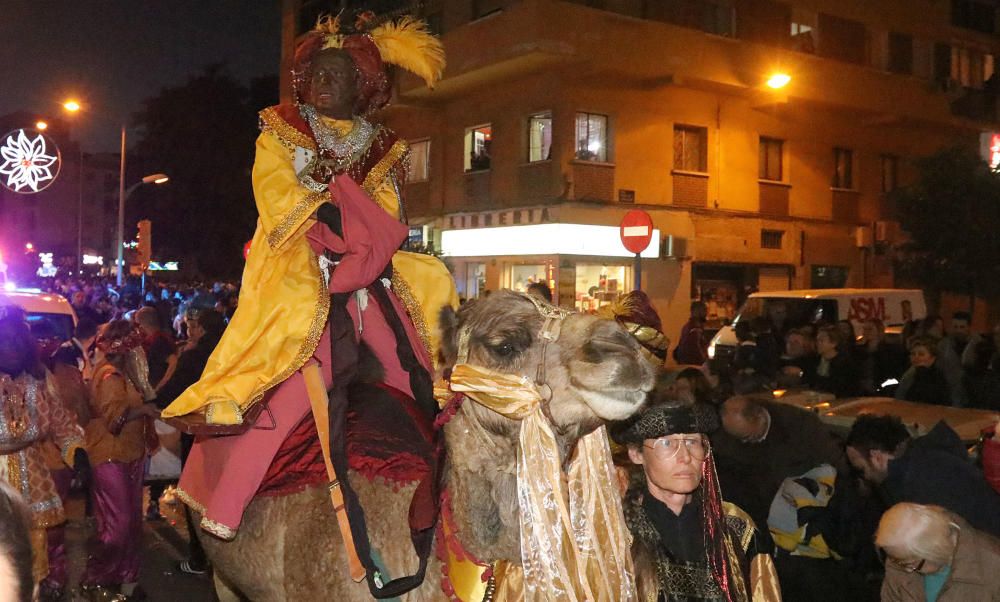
912, 566
665, 448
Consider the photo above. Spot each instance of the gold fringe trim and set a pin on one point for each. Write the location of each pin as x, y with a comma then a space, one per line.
295, 217
214, 527
405, 294
185, 497
308, 347
290, 137
381, 169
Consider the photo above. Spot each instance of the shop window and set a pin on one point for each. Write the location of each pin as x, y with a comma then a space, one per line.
973, 14
900, 53
828, 276
889, 165
591, 137
523, 276
477, 147
599, 285
539, 137
770, 156
690, 148
843, 171
771, 239
475, 280
419, 170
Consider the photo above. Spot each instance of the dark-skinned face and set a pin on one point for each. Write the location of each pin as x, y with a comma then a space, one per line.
333, 86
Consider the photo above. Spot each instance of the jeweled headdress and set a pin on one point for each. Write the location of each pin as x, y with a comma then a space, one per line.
405, 43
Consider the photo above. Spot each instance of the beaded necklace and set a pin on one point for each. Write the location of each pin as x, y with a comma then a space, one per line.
343, 148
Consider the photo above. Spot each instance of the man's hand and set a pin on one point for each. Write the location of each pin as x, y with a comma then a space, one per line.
329, 214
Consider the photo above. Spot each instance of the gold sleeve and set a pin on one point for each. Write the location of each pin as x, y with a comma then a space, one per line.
764, 586
285, 207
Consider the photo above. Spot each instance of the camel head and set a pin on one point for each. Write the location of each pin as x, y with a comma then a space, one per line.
594, 369
593, 372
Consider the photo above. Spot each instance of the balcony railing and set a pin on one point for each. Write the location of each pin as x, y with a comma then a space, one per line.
690, 189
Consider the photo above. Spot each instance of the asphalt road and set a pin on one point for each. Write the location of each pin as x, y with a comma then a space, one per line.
164, 545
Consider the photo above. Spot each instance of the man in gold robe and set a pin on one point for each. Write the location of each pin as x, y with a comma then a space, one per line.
327, 184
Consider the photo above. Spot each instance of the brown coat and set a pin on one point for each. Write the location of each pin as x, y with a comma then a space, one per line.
974, 573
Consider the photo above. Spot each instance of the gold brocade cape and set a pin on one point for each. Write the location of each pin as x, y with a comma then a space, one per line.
283, 303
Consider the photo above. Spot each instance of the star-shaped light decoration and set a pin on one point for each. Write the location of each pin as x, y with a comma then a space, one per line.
29, 165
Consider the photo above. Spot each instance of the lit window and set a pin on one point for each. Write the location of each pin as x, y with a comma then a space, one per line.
690, 144
419, 170
539, 137
843, 172
477, 147
591, 137
769, 159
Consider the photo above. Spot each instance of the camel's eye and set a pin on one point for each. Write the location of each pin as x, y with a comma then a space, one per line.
504, 350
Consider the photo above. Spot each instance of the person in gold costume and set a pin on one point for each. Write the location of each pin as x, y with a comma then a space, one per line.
327, 183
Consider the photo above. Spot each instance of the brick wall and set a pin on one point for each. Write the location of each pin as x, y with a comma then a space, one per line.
773, 199
593, 182
690, 191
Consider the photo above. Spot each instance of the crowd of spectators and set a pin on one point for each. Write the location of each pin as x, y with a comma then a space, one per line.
925, 362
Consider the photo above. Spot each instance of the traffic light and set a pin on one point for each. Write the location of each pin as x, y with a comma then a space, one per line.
144, 250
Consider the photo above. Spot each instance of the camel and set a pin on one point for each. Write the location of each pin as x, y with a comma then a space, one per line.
290, 548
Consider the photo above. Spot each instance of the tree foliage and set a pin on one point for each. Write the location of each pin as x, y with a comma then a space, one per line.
952, 216
201, 134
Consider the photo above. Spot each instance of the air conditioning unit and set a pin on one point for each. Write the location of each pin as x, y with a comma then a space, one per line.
674, 247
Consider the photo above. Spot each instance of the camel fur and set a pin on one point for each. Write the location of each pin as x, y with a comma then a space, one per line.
289, 547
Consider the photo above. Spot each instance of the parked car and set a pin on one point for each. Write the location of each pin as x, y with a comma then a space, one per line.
50, 316
894, 307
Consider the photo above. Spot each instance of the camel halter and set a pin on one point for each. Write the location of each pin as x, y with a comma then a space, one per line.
574, 542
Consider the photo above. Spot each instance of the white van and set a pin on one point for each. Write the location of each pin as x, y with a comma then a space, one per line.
50, 316
894, 307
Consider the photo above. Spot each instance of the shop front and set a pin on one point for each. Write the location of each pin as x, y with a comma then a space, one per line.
585, 266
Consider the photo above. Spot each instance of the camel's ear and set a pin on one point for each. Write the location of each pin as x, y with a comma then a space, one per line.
448, 322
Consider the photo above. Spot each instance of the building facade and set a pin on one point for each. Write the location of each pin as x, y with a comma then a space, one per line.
571, 113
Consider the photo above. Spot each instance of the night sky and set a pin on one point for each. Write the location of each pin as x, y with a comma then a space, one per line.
111, 54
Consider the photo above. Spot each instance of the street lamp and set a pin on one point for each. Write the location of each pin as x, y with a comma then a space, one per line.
778, 80
71, 107
41, 125
156, 178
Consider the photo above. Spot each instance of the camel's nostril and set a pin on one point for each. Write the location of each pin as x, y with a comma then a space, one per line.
610, 345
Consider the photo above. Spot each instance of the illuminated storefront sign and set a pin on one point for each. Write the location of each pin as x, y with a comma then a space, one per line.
93, 260
47, 270
163, 266
541, 239
29, 161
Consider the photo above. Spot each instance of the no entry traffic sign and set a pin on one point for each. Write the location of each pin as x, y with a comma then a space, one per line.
636, 231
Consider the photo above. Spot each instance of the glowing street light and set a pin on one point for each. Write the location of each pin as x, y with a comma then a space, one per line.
156, 178
778, 80
41, 125
29, 247
72, 106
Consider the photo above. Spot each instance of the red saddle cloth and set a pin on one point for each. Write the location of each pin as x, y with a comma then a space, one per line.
387, 436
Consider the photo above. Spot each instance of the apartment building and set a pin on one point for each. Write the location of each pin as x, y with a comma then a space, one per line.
556, 117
